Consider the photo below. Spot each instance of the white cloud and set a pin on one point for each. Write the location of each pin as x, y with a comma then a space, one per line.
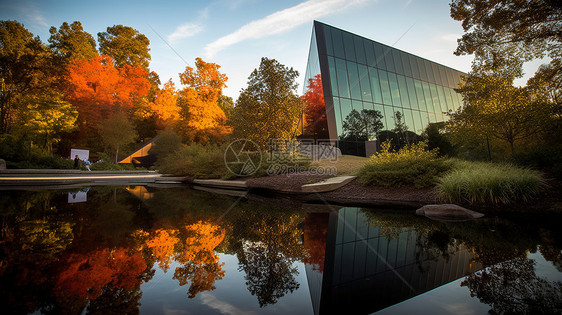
450, 37
222, 306
280, 22
185, 30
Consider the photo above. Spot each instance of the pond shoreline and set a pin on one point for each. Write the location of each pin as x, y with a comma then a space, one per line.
349, 193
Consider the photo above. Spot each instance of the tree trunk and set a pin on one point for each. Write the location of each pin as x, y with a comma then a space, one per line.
116, 154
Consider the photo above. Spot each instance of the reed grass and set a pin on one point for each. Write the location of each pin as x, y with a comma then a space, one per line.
477, 182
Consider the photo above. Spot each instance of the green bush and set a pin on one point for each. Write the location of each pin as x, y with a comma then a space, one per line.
196, 160
411, 165
21, 153
546, 158
105, 164
478, 182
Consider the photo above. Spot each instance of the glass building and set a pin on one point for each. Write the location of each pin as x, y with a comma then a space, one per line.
359, 73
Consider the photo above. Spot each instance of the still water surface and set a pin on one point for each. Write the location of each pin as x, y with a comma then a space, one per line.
146, 250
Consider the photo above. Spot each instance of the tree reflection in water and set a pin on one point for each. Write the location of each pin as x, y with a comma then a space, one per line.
512, 287
93, 257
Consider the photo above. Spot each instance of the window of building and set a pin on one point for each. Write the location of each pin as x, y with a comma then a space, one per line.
349, 47
353, 76
366, 94
385, 88
375, 85
343, 85
394, 90
360, 50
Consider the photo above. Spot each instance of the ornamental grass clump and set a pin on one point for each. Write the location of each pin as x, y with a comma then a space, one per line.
472, 182
411, 165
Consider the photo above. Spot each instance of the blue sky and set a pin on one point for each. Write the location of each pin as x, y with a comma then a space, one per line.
237, 33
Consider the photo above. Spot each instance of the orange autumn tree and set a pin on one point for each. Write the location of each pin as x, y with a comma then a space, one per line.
316, 125
165, 106
202, 118
162, 246
85, 275
315, 235
201, 266
98, 89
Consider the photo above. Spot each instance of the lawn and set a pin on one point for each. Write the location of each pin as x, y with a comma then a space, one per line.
345, 165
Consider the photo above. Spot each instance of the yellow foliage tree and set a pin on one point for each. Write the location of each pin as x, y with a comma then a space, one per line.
202, 118
165, 105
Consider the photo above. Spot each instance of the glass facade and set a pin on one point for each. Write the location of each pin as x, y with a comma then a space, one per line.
358, 73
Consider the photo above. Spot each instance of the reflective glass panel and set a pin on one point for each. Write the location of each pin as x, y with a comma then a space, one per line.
385, 88
443, 72
449, 98
412, 93
406, 64
414, 65
343, 86
442, 99
428, 100
425, 122
328, 38
388, 60
346, 108
359, 50
366, 94
450, 78
380, 55
421, 66
370, 54
353, 75
403, 87
397, 61
437, 75
409, 119
357, 105
338, 43
438, 107
395, 92
429, 70
389, 117
380, 109
337, 113
375, 85
420, 97
333, 76
417, 121
349, 47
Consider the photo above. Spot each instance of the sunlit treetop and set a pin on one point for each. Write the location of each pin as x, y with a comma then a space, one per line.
125, 45
504, 34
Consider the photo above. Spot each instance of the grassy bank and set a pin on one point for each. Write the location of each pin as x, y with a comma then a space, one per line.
477, 182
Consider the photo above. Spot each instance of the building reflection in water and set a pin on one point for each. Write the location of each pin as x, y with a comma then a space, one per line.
367, 269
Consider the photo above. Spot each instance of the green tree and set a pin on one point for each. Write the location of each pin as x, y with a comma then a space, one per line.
504, 34
125, 45
72, 42
25, 68
494, 107
46, 117
362, 126
117, 131
269, 107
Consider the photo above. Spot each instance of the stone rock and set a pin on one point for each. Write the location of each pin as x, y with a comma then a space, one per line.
2, 164
448, 212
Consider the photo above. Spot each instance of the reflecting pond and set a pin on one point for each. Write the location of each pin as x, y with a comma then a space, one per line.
177, 250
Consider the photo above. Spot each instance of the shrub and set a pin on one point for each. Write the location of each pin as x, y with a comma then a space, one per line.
196, 160
478, 182
105, 164
21, 153
411, 165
